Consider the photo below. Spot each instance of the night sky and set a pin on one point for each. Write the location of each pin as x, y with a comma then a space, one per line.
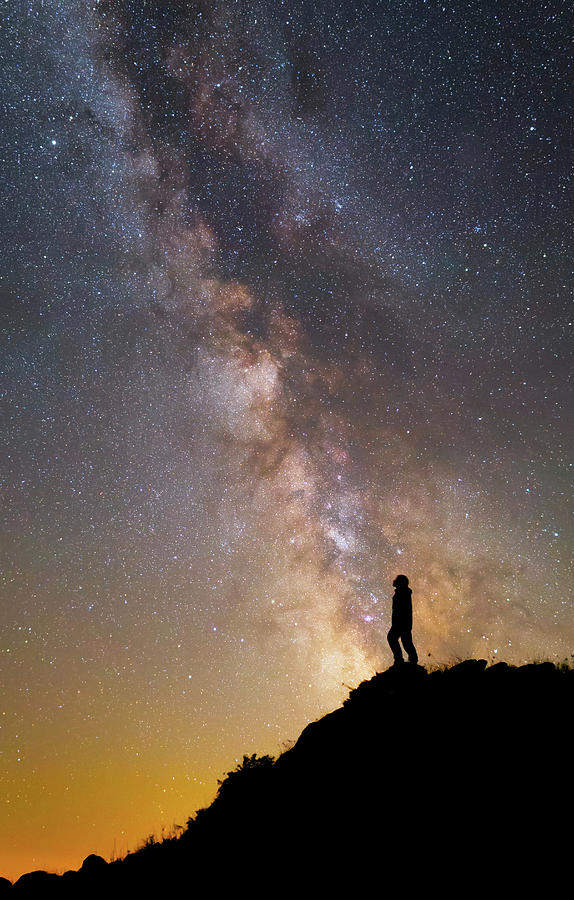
285, 293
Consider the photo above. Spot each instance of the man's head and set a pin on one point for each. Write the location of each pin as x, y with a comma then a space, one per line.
401, 581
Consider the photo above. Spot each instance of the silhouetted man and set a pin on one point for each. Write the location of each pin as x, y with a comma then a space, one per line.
402, 621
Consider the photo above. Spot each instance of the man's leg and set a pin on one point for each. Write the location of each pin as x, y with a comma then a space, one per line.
393, 639
407, 639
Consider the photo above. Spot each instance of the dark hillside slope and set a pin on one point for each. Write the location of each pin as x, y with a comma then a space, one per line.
454, 781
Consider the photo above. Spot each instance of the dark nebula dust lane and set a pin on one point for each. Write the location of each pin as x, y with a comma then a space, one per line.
285, 301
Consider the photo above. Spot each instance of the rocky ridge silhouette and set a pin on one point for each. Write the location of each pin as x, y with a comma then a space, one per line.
455, 780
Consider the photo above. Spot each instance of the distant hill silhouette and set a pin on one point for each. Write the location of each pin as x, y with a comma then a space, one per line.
452, 782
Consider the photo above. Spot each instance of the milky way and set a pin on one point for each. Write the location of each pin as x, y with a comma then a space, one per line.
285, 299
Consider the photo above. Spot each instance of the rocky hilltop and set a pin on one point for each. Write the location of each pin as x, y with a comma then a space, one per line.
454, 781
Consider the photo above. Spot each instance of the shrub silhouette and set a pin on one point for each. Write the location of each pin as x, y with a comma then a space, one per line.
246, 775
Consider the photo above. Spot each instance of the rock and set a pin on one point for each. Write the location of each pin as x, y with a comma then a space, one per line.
93, 865
467, 667
497, 670
37, 881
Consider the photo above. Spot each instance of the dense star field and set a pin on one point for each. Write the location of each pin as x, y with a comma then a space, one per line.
285, 300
